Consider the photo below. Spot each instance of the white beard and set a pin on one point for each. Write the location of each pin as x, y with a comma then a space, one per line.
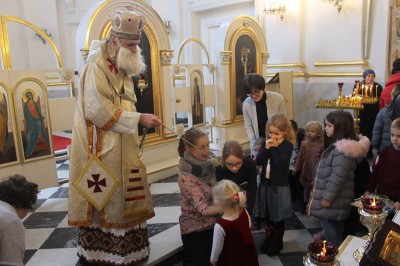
131, 63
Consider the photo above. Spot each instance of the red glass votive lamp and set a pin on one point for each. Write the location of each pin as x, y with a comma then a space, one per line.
322, 252
373, 205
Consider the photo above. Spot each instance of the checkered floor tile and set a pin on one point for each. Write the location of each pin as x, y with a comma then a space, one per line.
50, 239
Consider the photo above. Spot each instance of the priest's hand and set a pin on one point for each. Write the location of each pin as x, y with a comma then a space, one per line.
149, 120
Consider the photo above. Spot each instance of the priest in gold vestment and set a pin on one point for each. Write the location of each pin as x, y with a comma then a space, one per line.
109, 198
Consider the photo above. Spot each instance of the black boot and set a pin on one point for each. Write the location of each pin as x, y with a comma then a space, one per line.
269, 234
276, 244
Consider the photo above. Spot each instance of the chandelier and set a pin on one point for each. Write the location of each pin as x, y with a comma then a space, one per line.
336, 3
276, 9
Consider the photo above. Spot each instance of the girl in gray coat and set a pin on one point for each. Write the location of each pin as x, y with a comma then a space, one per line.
333, 189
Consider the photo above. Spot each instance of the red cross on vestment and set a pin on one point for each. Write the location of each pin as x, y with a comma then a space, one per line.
112, 66
97, 183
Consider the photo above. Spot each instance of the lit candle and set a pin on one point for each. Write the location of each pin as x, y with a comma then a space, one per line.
373, 201
376, 91
370, 90
323, 251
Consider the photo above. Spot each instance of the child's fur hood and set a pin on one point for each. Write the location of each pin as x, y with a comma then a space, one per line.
353, 148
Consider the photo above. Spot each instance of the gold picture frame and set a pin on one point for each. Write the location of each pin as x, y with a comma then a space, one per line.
246, 58
33, 119
8, 141
197, 99
384, 250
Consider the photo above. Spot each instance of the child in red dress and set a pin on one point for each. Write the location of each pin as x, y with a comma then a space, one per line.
233, 242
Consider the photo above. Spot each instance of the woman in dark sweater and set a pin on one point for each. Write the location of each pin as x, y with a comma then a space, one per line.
239, 169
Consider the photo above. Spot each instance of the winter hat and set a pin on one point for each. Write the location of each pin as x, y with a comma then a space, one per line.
367, 72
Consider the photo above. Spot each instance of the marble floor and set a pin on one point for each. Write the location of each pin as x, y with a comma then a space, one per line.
50, 241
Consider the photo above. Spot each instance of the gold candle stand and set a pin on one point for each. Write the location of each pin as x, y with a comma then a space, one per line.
353, 102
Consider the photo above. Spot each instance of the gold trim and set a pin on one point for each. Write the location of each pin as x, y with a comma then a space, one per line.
99, 206
106, 32
334, 74
236, 35
320, 74
389, 251
105, 3
11, 108
6, 55
4, 42
226, 57
179, 77
192, 40
301, 65
389, 54
342, 63
47, 114
53, 77
156, 77
53, 84
113, 119
344, 244
227, 123
294, 74
166, 57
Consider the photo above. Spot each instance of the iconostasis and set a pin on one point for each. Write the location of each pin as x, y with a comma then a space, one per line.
26, 145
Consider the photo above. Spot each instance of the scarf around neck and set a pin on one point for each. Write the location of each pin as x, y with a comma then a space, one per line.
203, 170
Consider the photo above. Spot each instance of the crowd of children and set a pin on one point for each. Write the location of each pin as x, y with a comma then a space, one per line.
328, 166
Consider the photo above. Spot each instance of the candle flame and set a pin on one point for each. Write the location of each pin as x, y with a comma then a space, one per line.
373, 202
323, 249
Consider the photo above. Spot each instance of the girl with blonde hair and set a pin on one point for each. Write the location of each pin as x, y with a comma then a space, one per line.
233, 242
275, 155
306, 162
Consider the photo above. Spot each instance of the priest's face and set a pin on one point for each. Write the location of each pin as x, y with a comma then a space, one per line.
129, 57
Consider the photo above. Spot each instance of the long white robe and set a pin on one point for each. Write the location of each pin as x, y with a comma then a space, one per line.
105, 123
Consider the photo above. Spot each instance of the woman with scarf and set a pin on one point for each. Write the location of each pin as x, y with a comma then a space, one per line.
196, 176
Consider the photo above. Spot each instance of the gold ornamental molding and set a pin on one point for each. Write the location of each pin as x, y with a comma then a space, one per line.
229, 123
226, 57
301, 65
320, 74
166, 57
85, 53
294, 74
334, 74
255, 38
265, 57
342, 63
55, 84
106, 29
5, 42
196, 41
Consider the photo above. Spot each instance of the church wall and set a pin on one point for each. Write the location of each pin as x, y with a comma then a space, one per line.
15, 8
311, 31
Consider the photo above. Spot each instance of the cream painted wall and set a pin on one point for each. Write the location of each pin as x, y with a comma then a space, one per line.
311, 30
